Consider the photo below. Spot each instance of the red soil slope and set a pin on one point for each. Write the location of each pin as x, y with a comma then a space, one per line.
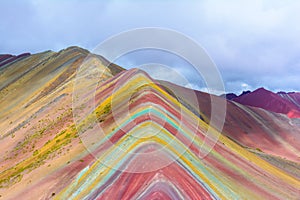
279, 103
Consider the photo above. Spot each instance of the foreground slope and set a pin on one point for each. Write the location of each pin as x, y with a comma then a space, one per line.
130, 139
229, 171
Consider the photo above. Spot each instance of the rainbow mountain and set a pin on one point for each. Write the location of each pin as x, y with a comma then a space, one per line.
128, 136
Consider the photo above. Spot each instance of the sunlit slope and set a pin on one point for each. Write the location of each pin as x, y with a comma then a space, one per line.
36, 110
172, 131
127, 139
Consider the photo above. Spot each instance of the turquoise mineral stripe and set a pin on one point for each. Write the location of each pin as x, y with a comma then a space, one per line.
196, 163
172, 123
126, 158
145, 111
154, 111
107, 158
72, 187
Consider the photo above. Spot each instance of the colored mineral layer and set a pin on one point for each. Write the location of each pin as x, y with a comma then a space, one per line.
130, 137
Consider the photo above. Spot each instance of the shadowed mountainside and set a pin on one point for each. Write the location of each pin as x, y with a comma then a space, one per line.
251, 127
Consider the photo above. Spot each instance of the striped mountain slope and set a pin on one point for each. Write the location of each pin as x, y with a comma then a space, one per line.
125, 137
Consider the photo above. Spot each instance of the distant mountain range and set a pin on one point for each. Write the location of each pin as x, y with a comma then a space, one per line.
287, 103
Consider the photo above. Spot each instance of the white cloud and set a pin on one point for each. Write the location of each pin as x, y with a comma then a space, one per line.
250, 41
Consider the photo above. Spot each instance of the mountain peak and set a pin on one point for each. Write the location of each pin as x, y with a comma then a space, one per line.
262, 89
245, 92
74, 48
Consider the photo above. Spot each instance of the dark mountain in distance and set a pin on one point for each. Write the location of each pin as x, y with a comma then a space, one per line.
229, 96
245, 92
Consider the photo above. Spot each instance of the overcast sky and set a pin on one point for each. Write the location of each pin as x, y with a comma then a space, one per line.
253, 43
